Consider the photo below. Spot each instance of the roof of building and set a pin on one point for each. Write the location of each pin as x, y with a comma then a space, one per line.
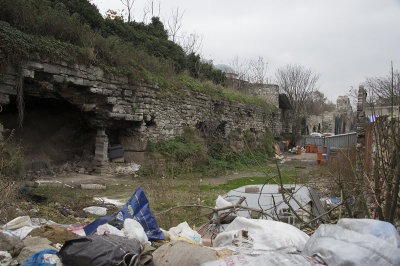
224, 68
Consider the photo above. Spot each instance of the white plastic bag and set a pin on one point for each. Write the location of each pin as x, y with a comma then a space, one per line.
18, 223
262, 236
184, 230
133, 229
337, 245
108, 229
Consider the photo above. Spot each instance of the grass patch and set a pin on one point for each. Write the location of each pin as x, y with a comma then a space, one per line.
244, 181
219, 92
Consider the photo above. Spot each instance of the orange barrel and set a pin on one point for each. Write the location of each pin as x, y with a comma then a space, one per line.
319, 156
299, 150
308, 148
315, 149
325, 150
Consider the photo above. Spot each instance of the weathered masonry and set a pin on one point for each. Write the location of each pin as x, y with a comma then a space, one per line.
110, 110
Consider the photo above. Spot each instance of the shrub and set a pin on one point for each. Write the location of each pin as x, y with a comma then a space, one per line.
188, 149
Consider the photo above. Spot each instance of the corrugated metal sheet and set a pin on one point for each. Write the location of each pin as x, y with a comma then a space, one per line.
265, 196
341, 141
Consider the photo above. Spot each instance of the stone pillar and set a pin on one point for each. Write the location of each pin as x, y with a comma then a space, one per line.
101, 152
362, 123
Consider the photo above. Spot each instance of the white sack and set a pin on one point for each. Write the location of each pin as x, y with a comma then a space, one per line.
23, 231
18, 223
269, 259
381, 229
263, 235
339, 246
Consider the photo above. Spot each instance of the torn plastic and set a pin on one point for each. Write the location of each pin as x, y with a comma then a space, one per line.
137, 208
183, 230
39, 258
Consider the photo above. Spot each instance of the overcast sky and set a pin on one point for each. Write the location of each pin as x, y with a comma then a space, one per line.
344, 41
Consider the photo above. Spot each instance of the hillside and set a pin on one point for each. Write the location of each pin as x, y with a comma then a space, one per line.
75, 31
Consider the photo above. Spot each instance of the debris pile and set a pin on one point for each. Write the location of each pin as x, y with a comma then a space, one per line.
133, 237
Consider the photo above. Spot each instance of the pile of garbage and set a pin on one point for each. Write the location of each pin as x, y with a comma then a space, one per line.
133, 237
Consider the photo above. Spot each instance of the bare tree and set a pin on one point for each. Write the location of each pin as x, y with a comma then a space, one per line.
191, 43
240, 68
383, 176
129, 5
317, 103
258, 71
174, 23
152, 9
298, 82
385, 90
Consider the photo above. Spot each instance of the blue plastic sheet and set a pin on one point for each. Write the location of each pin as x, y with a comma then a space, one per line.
137, 208
37, 258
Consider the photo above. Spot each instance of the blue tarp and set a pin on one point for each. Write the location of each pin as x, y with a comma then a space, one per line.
137, 208
37, 258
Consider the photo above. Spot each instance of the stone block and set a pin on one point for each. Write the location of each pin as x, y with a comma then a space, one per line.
96, 90
133, 143
182, 253
112, 100
7, 89
35, 65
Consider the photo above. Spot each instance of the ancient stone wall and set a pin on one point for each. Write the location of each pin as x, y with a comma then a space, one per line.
136, 113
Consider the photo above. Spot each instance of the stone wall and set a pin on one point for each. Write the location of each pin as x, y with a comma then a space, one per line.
133, 114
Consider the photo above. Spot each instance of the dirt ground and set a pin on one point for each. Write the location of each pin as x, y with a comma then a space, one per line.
162, 193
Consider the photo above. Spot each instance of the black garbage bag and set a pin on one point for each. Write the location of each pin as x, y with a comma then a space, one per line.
104, 250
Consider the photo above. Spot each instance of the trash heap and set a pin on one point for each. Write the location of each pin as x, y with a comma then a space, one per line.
132, 237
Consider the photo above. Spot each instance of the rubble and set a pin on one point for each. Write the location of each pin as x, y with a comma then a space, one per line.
32, 246
5, 258
96, 210
126, 237
93, 186
106, 200
10, 243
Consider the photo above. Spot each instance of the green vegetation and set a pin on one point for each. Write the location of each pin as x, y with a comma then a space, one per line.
11, 158
74, 31
219, 92
190, 152
240, 182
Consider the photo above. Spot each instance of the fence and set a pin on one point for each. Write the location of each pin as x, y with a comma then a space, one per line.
341, 141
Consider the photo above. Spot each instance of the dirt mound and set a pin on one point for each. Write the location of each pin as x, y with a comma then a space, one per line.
53, 233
